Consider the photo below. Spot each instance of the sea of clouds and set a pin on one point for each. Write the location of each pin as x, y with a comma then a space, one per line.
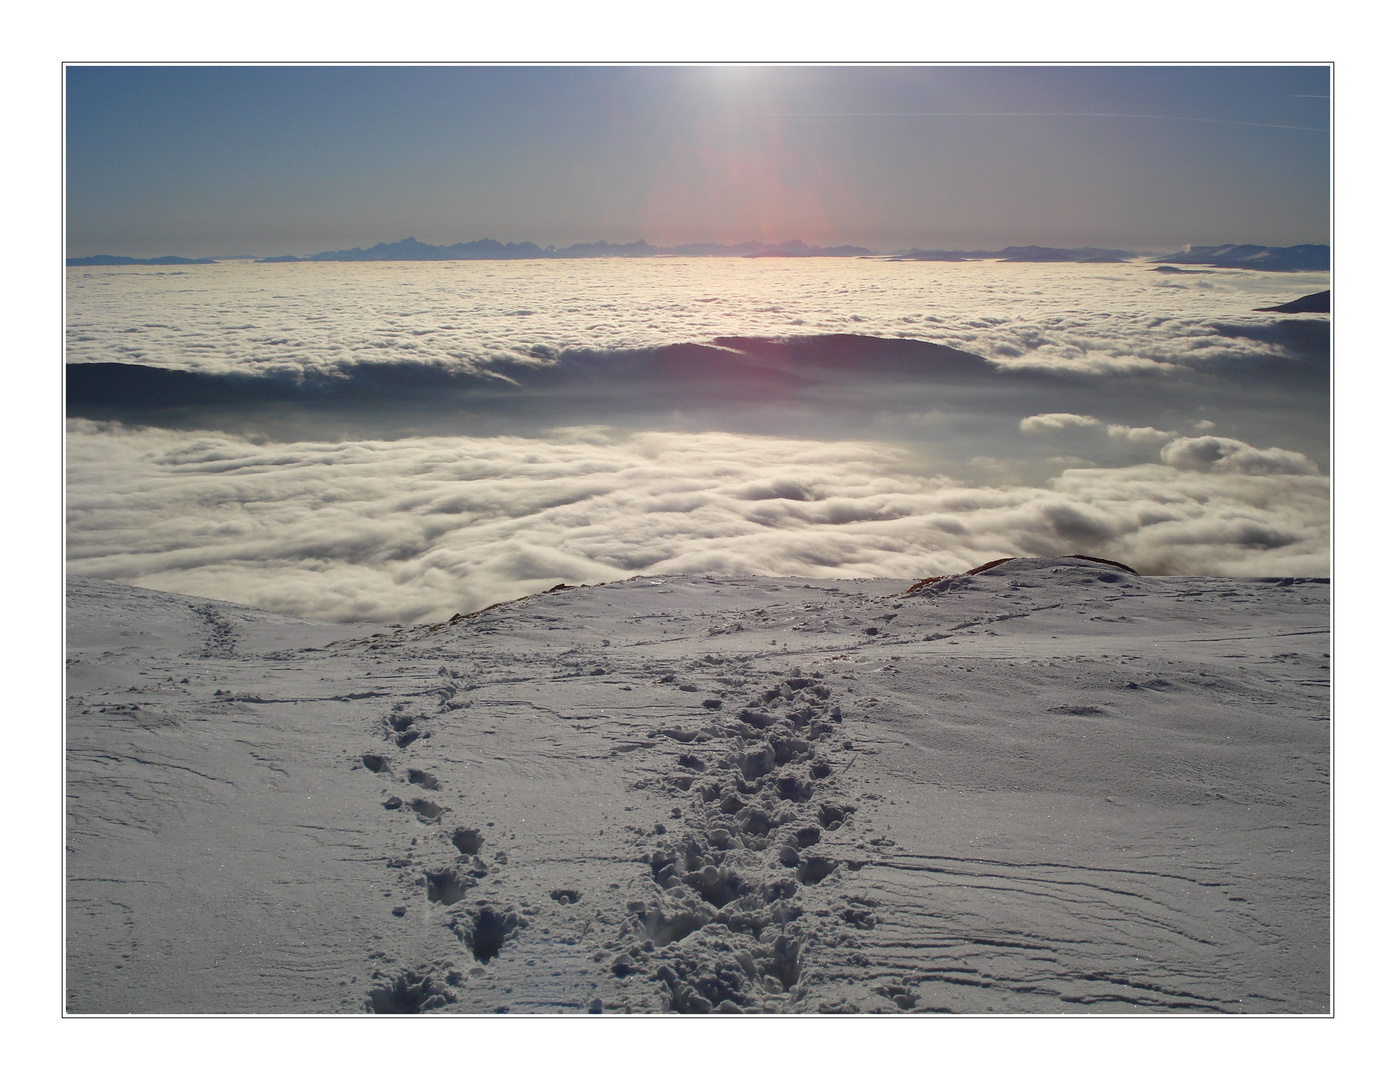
419, 529
1124, 414
324, 317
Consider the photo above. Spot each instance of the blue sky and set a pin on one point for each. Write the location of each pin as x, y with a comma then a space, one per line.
290, 160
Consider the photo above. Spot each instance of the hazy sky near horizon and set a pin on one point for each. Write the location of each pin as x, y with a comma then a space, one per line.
294, 160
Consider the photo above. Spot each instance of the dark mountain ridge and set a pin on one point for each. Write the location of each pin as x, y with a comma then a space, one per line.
412, 250
1319, 303
1255, 257
126, 260
1300, 257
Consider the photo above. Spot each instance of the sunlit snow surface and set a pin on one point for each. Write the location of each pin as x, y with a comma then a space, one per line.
1050, 786
412, 440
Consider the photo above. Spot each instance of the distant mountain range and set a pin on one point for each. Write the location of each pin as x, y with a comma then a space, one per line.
1227, 256
414, 250
126, 260
1254, 257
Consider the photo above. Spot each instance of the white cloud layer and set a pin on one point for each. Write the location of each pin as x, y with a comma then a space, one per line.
293, 319
1139, 434
1210, 453
1050, 422
418, 496
419, 529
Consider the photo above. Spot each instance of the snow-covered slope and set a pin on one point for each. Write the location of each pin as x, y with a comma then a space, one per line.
1049, 786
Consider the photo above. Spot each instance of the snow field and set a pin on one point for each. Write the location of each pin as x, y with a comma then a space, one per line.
1050, 786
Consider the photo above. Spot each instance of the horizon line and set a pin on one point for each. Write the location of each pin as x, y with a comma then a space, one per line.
781, 246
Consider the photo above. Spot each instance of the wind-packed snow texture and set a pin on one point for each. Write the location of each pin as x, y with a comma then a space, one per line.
405, 441
1049, 786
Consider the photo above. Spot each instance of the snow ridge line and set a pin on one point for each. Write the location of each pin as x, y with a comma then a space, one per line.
925, 583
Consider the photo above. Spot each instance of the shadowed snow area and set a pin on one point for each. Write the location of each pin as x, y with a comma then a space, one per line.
1050, 785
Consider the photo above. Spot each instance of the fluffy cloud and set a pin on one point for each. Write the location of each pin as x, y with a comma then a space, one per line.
1060, 423
1050, 422
1139, 434
1210, 453
418, 529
